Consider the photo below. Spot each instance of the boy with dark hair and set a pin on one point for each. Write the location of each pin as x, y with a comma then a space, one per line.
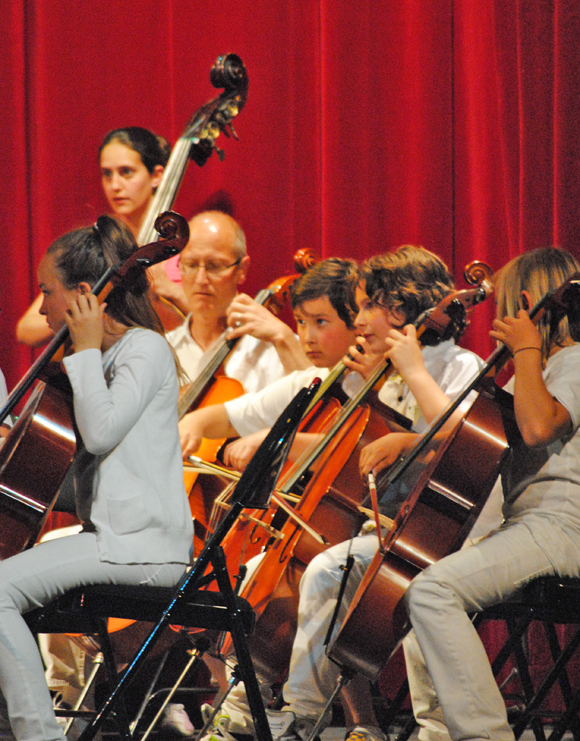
324, 309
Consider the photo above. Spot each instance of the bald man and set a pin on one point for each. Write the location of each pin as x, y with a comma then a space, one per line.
213, 266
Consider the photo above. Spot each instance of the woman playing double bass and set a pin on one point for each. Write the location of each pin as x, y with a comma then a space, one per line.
541, 533
131, 161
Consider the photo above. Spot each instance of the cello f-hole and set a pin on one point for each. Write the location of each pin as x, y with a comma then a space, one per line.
254, 538
284, 555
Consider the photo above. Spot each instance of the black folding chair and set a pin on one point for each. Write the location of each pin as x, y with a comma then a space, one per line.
552, 601
87, 609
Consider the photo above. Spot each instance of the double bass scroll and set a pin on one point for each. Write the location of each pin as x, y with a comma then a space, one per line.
198, 139
197, 142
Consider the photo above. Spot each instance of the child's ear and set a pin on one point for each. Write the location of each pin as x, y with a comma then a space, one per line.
84, 288
526, 300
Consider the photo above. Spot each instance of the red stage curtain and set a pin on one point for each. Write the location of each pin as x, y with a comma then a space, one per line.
450, 123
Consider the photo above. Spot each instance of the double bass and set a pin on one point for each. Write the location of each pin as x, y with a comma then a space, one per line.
450, 475
332, 493
40, 447
197, 142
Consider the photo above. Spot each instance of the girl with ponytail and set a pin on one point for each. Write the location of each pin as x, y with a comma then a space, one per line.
128, 482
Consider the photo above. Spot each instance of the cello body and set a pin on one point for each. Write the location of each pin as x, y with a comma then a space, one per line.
33, 463
330, 504
203, 489
450, 484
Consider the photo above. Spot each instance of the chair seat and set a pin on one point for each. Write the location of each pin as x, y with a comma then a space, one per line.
548, 598
76, 611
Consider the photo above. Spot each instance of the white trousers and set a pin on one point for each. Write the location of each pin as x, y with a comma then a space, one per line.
312, 676
32, 579
440, 598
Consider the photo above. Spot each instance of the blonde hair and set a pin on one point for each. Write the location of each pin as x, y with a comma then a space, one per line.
539, 272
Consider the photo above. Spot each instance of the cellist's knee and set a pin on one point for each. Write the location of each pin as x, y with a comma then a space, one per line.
428, 592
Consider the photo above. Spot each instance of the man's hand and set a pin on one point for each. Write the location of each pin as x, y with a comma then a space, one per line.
246, 316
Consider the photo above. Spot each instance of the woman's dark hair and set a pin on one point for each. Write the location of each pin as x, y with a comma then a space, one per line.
334, 278
408, 281
154, 150
83, 255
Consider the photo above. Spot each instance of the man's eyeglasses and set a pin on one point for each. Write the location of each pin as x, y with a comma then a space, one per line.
211, 268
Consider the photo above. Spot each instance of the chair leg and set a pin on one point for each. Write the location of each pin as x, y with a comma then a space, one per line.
149, 693
241, 649
561, 658
122, 715
97, 662
344, 678
569, 719
235, 679
195, 656
527, 685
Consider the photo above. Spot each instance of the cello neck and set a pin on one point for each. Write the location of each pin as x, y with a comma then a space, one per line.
306, 461
333, 377
195, 391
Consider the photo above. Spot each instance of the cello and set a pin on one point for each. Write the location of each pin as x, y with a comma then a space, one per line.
331, 498
212, 386
450, 475
40, 447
